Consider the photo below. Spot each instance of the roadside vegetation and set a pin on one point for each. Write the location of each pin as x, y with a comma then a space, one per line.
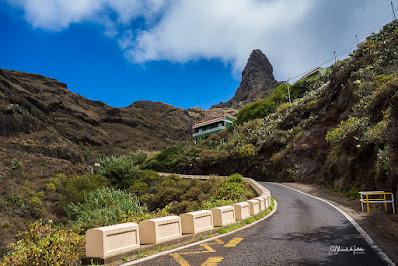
120, 191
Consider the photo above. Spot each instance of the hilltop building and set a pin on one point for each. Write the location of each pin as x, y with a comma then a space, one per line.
203, 129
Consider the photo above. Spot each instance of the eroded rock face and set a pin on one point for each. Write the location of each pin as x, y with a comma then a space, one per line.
257, 81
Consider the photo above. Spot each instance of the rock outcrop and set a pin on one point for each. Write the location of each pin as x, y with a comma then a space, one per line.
257, 81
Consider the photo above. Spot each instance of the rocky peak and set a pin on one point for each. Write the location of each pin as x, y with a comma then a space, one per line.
257, 81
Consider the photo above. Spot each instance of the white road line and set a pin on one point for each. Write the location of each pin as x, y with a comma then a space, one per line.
361, 231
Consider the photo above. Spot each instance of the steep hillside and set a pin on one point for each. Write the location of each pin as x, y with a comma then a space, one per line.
33, 104
257, 81
341, 129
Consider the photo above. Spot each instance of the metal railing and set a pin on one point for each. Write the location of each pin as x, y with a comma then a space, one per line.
374, 197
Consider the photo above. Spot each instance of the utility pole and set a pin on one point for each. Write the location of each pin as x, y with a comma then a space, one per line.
356, 37
335, 58
288, 90
393, 10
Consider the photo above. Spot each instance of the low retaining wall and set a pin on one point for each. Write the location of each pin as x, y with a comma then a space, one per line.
117, 240
109, 241
242, 210
158, 230
196, 222
262, 201
254, 205
223, 216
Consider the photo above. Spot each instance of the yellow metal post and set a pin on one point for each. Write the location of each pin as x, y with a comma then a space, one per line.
385, 203
367, 202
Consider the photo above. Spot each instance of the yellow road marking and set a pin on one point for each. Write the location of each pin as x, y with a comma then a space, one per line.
219, 241
208, 247
178, 258
233, 242
212, 261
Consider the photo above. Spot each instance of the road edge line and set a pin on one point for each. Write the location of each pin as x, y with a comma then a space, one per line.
166, 252
360, 230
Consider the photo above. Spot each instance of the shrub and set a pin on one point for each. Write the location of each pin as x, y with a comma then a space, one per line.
235, 178
19, 202
233, 188
210, 157
246, 150
74, 188
139, 187
16, 165
353, 193
120, 170
283, 107
149, 175
212, 203
104, 206
346, 128
375, 134
264, 107
45, 244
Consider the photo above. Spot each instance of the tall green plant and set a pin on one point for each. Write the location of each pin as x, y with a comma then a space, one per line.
104, 206
119, 170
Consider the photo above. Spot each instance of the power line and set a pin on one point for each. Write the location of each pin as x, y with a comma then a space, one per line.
358, 39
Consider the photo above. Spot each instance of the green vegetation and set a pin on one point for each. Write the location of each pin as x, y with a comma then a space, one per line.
183, 195
75, 188
121, 191
174, 158
103, 206
265, 107
347, 128
45, 244
120, 171
279, 98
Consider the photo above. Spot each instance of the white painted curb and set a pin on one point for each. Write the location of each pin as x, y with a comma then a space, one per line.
360, 230
166, 252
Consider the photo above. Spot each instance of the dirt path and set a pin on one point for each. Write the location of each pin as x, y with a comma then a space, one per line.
382, 227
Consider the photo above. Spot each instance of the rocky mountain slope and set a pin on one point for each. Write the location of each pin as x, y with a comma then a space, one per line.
42, 107
257, 81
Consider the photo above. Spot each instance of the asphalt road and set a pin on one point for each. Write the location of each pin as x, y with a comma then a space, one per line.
303, 231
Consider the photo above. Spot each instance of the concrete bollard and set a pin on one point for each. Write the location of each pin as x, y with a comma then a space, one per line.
157, 230
262, 201
254, 207
196, 222
110, 241
223, 216
242, 210
267, 200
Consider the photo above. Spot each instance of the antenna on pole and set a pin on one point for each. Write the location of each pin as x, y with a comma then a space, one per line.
335, 58
393, 10
288, 90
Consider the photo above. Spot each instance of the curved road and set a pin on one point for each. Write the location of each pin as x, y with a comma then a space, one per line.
301, 232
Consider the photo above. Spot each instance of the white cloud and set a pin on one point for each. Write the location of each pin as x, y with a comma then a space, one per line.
224, 29
57, 15
294, 34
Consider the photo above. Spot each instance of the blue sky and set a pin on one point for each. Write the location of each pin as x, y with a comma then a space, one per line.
184, 53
